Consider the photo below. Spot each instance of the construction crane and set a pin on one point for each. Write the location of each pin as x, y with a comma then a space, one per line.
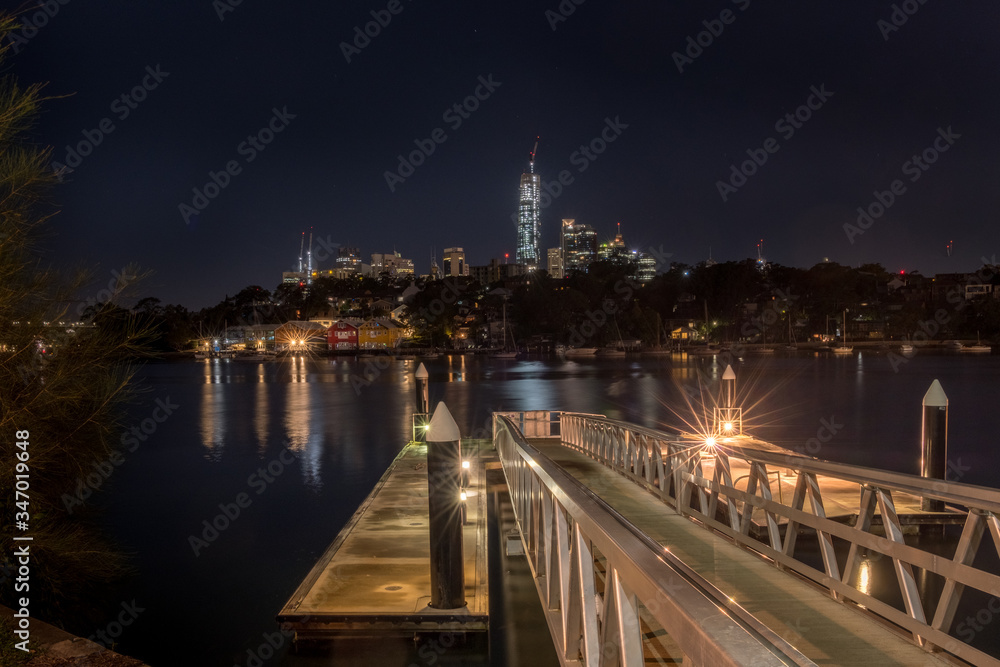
302, 245
309, 277
531, 164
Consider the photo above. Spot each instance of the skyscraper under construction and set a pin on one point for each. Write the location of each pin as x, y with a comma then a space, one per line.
529, 218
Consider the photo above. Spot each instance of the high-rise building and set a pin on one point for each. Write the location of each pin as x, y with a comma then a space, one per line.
529, 218
454, 262
645, 267
579, 246
614, 251
349, 259
556, 263
392, 264
496, 270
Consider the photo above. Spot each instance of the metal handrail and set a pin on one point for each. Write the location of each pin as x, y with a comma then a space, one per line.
671, 467
562, 523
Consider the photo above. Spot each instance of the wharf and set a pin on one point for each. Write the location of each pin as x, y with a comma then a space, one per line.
822, 628
841, 498
374, 579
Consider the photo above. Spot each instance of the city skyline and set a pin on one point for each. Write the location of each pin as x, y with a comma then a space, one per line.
186, 146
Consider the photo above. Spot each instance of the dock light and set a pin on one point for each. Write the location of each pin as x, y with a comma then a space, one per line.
465, 465
463, 496
710, 441
727, 427
427, 427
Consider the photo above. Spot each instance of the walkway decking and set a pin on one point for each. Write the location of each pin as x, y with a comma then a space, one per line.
374, 579
825, 630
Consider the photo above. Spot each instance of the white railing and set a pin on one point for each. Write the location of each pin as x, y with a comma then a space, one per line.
609, 592
673, 468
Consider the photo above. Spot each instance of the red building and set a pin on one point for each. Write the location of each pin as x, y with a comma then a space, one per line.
342, 336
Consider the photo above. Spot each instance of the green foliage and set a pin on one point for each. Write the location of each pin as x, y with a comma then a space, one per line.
10, 656
66, 387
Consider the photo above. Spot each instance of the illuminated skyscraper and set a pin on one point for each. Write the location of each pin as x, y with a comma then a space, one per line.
529, 250
579, 246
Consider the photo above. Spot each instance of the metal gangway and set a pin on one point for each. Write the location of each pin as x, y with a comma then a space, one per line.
644, 550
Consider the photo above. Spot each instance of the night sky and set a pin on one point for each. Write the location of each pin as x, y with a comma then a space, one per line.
216, 75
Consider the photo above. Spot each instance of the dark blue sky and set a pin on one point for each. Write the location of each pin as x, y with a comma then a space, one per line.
326, 168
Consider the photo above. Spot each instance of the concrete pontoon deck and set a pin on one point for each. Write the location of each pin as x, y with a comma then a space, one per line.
374, 579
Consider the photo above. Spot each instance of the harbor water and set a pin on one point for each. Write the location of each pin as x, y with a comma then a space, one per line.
227, 502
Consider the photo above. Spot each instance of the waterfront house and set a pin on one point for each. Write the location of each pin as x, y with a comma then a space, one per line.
342, 335
377, 334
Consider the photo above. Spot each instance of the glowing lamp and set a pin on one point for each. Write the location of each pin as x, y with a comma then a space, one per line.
710, 441
727, 427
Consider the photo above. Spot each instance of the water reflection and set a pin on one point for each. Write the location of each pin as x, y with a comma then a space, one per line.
262, 414
304, 422
456, 368
213, 411
865, 576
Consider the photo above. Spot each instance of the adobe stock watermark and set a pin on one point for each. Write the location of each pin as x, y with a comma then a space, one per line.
138, 433
786, 126
271, 646
914, 168
120, 280
973, 625
661, 257
595, 320
33, 22
454, 116
928, 329
901, 13
363, 36
258, 481
122, 107
714, 28
373, 368
581, 158
223, 7
756, 325
113, 630
248, 149
828, 429
563, 11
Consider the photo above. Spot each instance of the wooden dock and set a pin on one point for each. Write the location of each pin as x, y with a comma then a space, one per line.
374, 579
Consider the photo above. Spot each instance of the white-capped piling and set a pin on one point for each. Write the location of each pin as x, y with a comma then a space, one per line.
934, 441
444, 504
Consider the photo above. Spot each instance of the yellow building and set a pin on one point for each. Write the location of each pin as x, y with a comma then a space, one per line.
379, 334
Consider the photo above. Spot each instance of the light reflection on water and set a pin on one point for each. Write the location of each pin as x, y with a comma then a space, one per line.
346, 419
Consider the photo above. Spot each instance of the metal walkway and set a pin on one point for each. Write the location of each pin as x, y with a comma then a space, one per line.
826, 631
631, 576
